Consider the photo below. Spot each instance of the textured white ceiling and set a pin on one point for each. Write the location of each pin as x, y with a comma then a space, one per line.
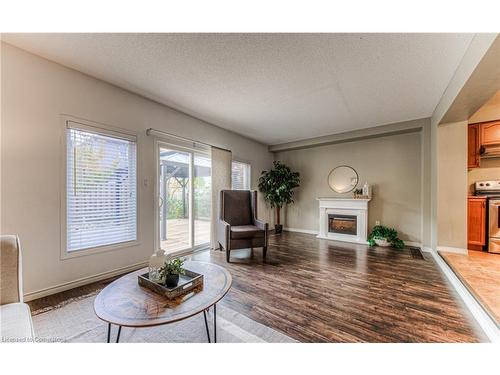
270, 87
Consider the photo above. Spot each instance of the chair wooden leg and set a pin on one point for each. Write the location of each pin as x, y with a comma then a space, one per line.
264, 251
227, 255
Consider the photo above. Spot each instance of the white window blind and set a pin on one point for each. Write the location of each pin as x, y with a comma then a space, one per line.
240, 175
101, 196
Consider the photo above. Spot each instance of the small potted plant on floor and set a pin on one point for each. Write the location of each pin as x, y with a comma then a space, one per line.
277, 186
170, 272
384, 236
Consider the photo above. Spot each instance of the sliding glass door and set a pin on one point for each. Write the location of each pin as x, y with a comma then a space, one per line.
202, 199
184, 199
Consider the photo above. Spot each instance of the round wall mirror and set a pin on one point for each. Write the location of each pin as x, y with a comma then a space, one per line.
343, 179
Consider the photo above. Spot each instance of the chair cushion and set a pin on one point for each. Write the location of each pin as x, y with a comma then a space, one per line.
246, 232
237, 208
16, 324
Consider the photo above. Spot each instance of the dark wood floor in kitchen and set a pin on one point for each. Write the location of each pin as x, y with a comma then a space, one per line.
323, 291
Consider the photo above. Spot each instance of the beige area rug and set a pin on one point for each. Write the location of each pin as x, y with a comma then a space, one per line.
76, 322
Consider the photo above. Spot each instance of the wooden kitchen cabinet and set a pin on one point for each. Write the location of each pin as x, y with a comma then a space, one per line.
473, 146
490, 133
476, 223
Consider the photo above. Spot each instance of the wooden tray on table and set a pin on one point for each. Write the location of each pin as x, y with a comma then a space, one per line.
187, 282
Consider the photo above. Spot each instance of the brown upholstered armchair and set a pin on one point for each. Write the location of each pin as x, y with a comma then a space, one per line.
238, 227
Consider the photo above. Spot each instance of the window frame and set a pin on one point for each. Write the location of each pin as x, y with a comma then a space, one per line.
249, 172
107, 130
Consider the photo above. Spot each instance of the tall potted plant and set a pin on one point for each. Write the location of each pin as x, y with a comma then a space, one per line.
277, 186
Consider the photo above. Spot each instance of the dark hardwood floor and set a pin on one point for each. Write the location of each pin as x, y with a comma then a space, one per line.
323, 291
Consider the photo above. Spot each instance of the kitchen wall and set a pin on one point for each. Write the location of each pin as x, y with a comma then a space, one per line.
455, 182
490, 168
489, 111
473, 80
35, 92
452, 185
391, 164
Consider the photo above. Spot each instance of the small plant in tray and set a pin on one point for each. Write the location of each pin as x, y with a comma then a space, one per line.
170, 272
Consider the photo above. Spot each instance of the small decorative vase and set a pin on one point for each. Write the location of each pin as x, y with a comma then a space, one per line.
171, 280
156, 261
367, 190
382, 242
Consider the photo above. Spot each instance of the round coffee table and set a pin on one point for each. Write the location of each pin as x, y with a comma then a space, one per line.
126, 304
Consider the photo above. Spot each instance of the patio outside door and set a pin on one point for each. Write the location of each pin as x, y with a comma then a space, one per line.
184, 204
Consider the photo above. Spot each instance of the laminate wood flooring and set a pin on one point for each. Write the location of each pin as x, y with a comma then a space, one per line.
324, 291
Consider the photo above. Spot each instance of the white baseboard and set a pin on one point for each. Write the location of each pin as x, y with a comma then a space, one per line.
482, 318
307, 231
456, 250
82, 281
413, 244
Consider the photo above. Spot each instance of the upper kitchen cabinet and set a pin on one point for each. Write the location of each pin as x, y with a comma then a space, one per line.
490, 133
483, 141
473, 146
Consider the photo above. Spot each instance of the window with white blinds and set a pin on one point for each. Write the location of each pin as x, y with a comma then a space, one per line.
240, 175
101, 188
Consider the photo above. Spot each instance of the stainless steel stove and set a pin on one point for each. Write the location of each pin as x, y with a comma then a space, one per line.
491, 189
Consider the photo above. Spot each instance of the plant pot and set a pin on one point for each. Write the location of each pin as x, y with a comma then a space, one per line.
278, 228
171, 280
382, 242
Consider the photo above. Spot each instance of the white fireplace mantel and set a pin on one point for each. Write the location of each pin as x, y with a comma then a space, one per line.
344, 206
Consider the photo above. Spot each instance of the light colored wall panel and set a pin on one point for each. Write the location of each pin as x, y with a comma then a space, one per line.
35, 92
452, 185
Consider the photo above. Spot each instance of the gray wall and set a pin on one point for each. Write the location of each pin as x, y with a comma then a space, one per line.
35, 92
391, 164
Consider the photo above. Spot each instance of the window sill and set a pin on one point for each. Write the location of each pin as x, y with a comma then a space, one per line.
97, 250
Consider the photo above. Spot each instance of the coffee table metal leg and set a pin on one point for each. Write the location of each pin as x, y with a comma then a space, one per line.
215, 322
109, 333
206, 324
119, 331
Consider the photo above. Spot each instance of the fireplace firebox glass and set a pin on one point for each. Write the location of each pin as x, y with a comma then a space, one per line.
342, 224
